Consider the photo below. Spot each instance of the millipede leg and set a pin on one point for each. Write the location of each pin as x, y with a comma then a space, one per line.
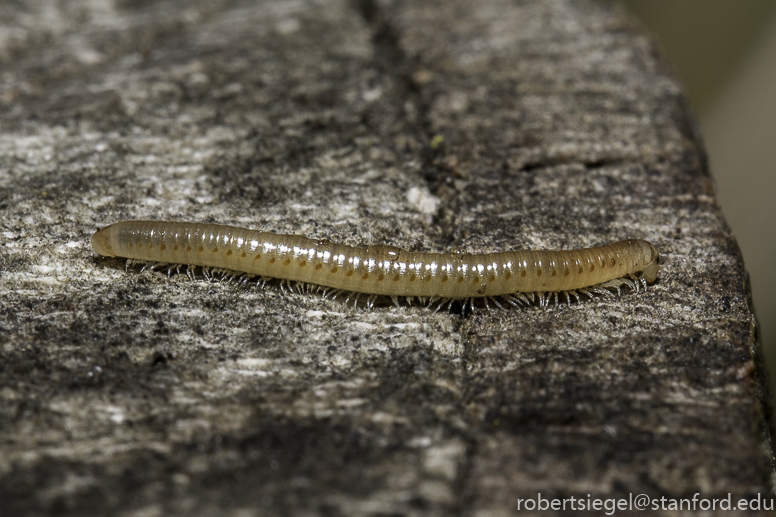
151, 266
333, 293
523, 298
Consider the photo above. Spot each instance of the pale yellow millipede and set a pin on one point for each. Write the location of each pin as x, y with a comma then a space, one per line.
516, 277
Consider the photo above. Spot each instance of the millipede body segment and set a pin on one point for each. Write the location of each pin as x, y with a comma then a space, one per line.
377, 270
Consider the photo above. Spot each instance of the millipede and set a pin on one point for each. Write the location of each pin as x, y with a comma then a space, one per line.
518, 277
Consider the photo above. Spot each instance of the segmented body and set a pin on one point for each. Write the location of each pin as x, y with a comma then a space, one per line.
377, 270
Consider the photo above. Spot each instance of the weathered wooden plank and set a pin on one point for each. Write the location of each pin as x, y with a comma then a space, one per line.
427, 125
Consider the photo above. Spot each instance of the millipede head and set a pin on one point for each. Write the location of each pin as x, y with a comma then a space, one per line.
652, 268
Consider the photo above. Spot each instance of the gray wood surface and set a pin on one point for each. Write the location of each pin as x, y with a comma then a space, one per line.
485, 126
